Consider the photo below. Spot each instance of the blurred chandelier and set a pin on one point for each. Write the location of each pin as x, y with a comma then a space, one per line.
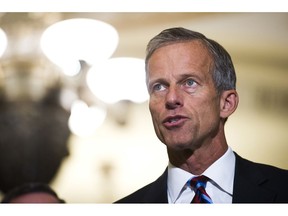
78, 60
56, 77
68, 41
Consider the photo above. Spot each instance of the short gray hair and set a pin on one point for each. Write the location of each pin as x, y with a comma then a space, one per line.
224, 75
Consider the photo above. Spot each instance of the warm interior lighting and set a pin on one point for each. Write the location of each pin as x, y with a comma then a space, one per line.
118, 79
85, 120
3, 42
68, 41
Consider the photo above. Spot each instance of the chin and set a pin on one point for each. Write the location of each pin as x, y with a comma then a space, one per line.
178, 146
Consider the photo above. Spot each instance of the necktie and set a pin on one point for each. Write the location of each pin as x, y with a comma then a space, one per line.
198, 184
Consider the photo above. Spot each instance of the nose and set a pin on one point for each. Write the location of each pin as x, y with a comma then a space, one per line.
173, 99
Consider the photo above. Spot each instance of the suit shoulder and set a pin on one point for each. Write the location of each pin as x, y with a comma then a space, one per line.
135, 197
266, 169
155, 192
259, 183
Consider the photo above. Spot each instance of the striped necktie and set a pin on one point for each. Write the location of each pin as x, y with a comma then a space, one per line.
198, 184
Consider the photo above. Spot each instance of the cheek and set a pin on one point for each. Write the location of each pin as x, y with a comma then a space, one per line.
155, 112
154, 104
210, 113
207, 110
153, 109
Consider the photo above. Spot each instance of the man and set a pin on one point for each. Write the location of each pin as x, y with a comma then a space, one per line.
192, 86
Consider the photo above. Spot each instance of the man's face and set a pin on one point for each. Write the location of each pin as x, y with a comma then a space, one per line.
184, 104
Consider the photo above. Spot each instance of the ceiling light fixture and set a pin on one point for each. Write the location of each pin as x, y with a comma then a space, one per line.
67, 42
3, 42
118, 79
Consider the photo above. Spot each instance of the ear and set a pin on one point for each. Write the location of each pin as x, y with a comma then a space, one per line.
228, 103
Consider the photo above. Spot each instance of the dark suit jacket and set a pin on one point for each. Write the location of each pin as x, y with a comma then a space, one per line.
253, 183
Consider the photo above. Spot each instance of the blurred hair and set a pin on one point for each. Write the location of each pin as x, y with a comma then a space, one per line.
27, 188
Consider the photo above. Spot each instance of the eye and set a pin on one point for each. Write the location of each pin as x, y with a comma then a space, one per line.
190, 85
190, 82
158, 87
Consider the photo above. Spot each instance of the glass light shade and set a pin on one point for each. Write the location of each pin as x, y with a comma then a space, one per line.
3, 42
118, 79
77, 39
85, 120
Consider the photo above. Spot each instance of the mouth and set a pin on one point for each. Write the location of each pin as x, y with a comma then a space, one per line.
174, 121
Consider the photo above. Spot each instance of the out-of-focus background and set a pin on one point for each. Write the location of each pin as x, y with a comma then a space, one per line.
73, 103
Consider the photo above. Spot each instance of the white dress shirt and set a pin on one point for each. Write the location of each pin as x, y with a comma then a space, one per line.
220, 189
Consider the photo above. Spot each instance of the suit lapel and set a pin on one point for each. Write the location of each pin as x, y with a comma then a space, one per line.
248, 183
158, 190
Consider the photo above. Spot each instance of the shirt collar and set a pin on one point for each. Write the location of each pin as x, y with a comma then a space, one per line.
221, 172
177, 178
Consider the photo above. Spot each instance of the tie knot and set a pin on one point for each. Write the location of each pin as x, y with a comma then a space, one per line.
198, 182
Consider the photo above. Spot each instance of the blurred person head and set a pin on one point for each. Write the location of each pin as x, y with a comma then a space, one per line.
34, 192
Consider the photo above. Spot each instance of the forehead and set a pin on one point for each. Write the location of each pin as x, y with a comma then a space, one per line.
189, 44
186, 49
191, 53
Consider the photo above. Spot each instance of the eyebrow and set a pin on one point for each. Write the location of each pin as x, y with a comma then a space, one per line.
186, 75
180, 78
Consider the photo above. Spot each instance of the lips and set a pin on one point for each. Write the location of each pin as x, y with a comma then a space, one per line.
174, 121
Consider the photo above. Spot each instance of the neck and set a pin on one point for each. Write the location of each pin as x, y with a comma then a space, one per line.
197, 161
